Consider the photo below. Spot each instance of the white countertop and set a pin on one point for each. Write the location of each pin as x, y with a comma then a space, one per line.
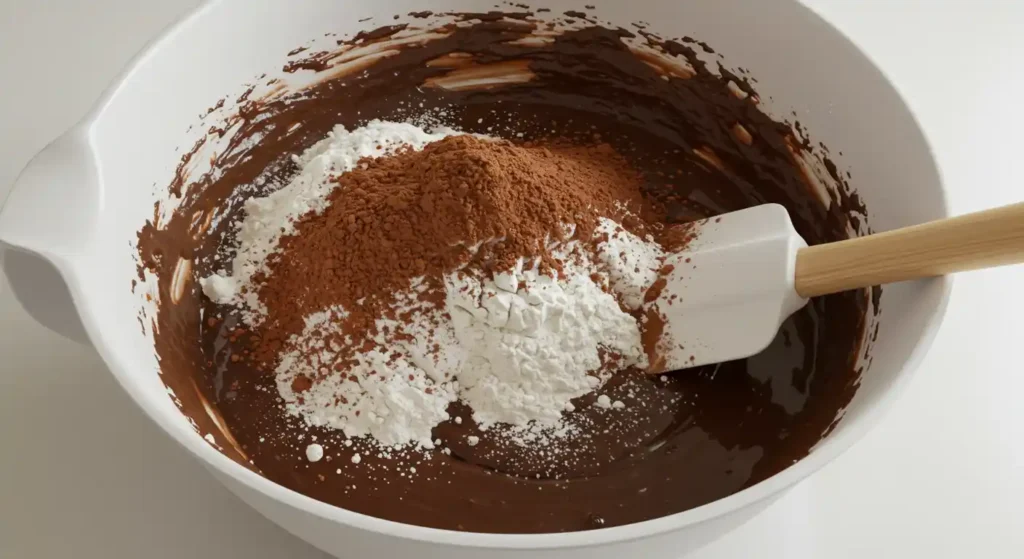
83, 474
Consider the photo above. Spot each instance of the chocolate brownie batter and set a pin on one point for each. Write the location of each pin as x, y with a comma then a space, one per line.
702, 147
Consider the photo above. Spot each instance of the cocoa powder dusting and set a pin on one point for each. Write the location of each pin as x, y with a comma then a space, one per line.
417, 213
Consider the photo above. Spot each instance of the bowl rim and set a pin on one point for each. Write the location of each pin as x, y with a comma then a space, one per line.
837, 443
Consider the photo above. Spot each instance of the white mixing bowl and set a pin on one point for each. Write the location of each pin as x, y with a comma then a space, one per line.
69, 221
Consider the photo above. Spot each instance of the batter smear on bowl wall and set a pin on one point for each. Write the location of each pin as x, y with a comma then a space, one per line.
414, 286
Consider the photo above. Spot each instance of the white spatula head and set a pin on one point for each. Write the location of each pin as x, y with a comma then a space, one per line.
725, 295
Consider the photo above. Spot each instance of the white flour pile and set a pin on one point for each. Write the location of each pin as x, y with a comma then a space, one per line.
531, 342
384, 394
516, 348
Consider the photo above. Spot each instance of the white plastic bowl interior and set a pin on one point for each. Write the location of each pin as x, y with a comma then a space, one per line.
68, 223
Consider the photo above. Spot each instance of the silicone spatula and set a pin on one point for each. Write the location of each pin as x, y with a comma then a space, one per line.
726, 294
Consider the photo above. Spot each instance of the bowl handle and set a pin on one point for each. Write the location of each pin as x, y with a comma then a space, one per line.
45, 225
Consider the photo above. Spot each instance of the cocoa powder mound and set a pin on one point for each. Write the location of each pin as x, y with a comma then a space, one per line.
426, 213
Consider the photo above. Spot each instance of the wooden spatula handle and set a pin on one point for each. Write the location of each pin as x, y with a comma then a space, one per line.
979, 240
